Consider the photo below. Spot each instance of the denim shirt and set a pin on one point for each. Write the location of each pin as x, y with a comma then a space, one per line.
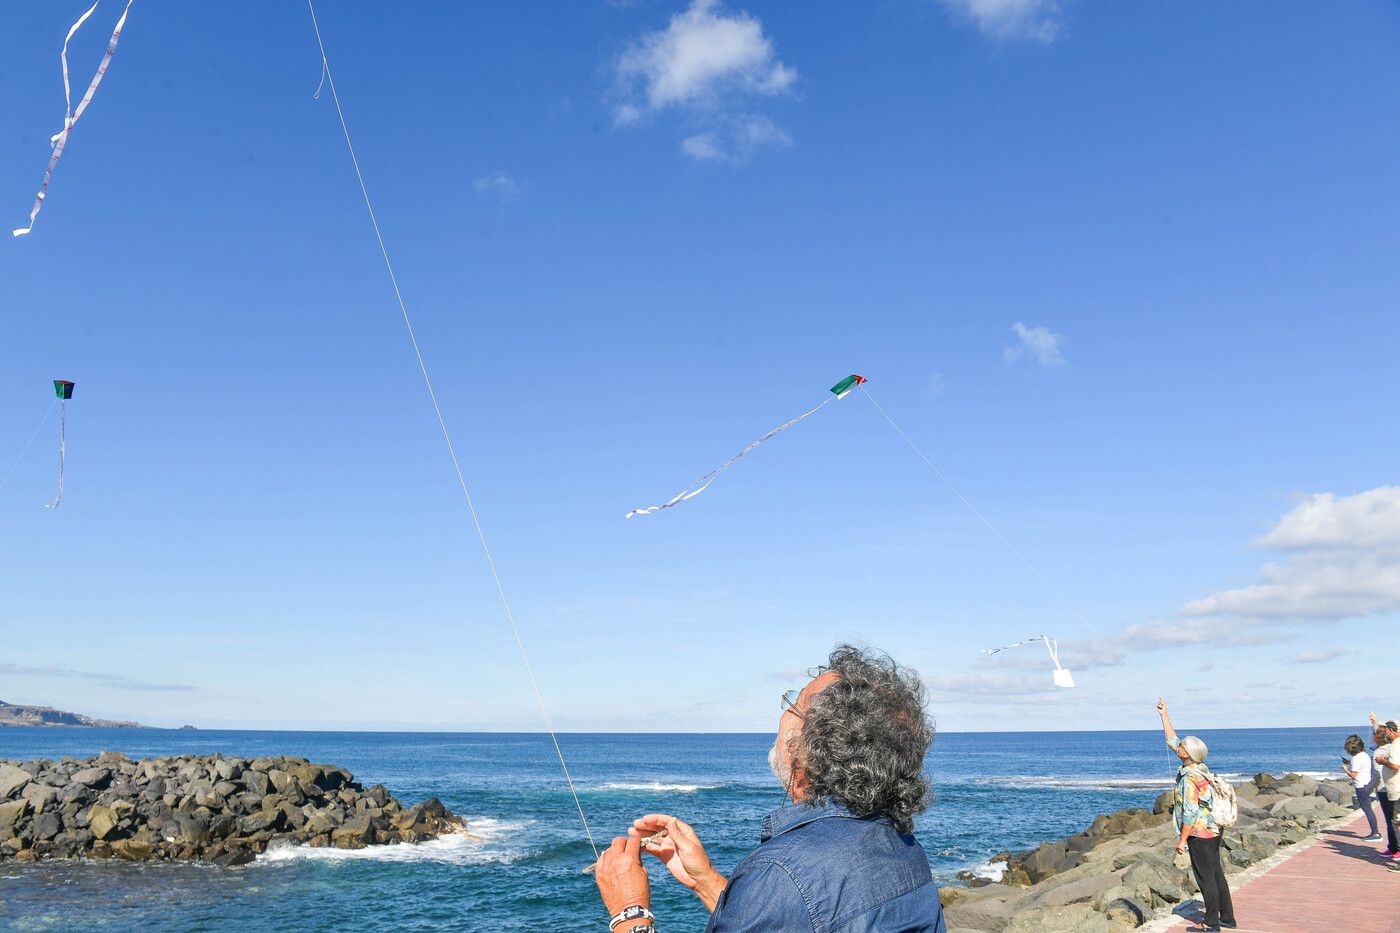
820, 868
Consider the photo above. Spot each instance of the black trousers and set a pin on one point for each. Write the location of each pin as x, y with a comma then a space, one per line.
1210, 878
1388, 808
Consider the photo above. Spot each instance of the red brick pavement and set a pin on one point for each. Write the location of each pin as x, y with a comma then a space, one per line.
1336, 882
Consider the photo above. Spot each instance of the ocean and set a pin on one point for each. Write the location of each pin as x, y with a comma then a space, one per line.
994, 791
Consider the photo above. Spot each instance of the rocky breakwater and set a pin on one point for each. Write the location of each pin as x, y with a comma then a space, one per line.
1119, 873
206, 808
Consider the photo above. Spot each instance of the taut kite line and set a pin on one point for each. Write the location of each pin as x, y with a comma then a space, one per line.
70, 117
838, 391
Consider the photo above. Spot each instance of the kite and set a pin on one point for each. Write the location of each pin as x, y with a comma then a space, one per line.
1063, 678
64, 390
838, 391
60, 139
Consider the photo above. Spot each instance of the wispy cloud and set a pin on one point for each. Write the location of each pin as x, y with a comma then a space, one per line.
735, 141
1040, 342
501, 185
1037, 20
708, 63
1319, 656
116, 681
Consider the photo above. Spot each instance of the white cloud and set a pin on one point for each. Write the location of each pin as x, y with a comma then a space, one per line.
707, 62
500, 184
736, 141
1344, 563
1038, 20
936, 384
1369, 519
1320, 656
1039, 342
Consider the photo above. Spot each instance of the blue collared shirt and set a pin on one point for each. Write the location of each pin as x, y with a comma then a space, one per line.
820, 868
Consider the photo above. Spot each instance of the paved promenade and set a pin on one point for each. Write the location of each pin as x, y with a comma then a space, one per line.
1336, 882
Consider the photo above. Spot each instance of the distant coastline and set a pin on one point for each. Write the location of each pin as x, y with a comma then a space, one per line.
12, 714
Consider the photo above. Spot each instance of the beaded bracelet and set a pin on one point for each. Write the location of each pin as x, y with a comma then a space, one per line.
635, 912
642, 928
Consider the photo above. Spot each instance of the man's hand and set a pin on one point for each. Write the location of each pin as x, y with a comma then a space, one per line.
622, 881
1161, 705
682, 853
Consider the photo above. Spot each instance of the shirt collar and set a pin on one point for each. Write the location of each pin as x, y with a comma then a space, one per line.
794, 815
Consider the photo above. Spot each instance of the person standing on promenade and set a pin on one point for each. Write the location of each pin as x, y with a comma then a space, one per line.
842, 857
1387, 760
1197, 832
1357, 765
1392, 834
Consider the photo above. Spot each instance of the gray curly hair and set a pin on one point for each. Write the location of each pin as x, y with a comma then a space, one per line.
864, 738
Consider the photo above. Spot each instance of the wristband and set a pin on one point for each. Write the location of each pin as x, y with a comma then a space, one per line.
635, 912
642, 928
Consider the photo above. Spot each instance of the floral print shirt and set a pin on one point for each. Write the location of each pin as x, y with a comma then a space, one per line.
1193, 798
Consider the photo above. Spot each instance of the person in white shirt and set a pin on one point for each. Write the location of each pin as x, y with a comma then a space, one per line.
1357, 765
1387, 759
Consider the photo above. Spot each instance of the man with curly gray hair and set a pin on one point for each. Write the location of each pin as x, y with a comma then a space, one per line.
841, 857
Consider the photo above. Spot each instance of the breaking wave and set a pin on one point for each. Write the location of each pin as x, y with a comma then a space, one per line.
657, 787
485, 841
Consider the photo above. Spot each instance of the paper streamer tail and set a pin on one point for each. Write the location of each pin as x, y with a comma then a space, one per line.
703, 483
60, 139
62, 451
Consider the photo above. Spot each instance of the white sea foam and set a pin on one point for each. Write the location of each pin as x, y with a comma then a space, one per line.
658, 787
1081, 783
992, 871
485, 840
1153, 782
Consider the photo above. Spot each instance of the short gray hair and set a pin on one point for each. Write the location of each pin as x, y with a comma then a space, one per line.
1195, 748
864, 738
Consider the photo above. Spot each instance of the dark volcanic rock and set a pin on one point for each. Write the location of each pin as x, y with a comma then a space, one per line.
216, 809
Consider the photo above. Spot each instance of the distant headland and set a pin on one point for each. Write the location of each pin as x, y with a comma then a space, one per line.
14, 715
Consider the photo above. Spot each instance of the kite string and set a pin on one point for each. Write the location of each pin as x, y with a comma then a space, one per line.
442, 424
25, 449
1000, 537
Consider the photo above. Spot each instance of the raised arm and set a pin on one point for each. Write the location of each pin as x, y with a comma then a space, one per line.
1166, 722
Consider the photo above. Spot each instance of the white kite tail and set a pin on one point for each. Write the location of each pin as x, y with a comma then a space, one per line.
70, 117
703, 483
62, 447
1062, 677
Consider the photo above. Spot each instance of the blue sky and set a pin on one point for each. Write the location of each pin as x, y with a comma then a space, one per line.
635, 236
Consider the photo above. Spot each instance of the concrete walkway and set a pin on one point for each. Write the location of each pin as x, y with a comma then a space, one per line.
1335, 882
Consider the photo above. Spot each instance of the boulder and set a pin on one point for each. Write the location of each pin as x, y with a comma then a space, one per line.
1077, 918
354, 834
1079, 891
1333, 793
12, 779
47, 825
1157, 881
989, 914
102, 821
1299, 807
1295, 785
39, 795
1164, 802
256, 782
133, 850
1045, 860
11, 812
234, 855
96, 778
1126, 913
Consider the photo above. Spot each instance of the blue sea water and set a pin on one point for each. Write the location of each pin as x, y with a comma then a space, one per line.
994, 791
